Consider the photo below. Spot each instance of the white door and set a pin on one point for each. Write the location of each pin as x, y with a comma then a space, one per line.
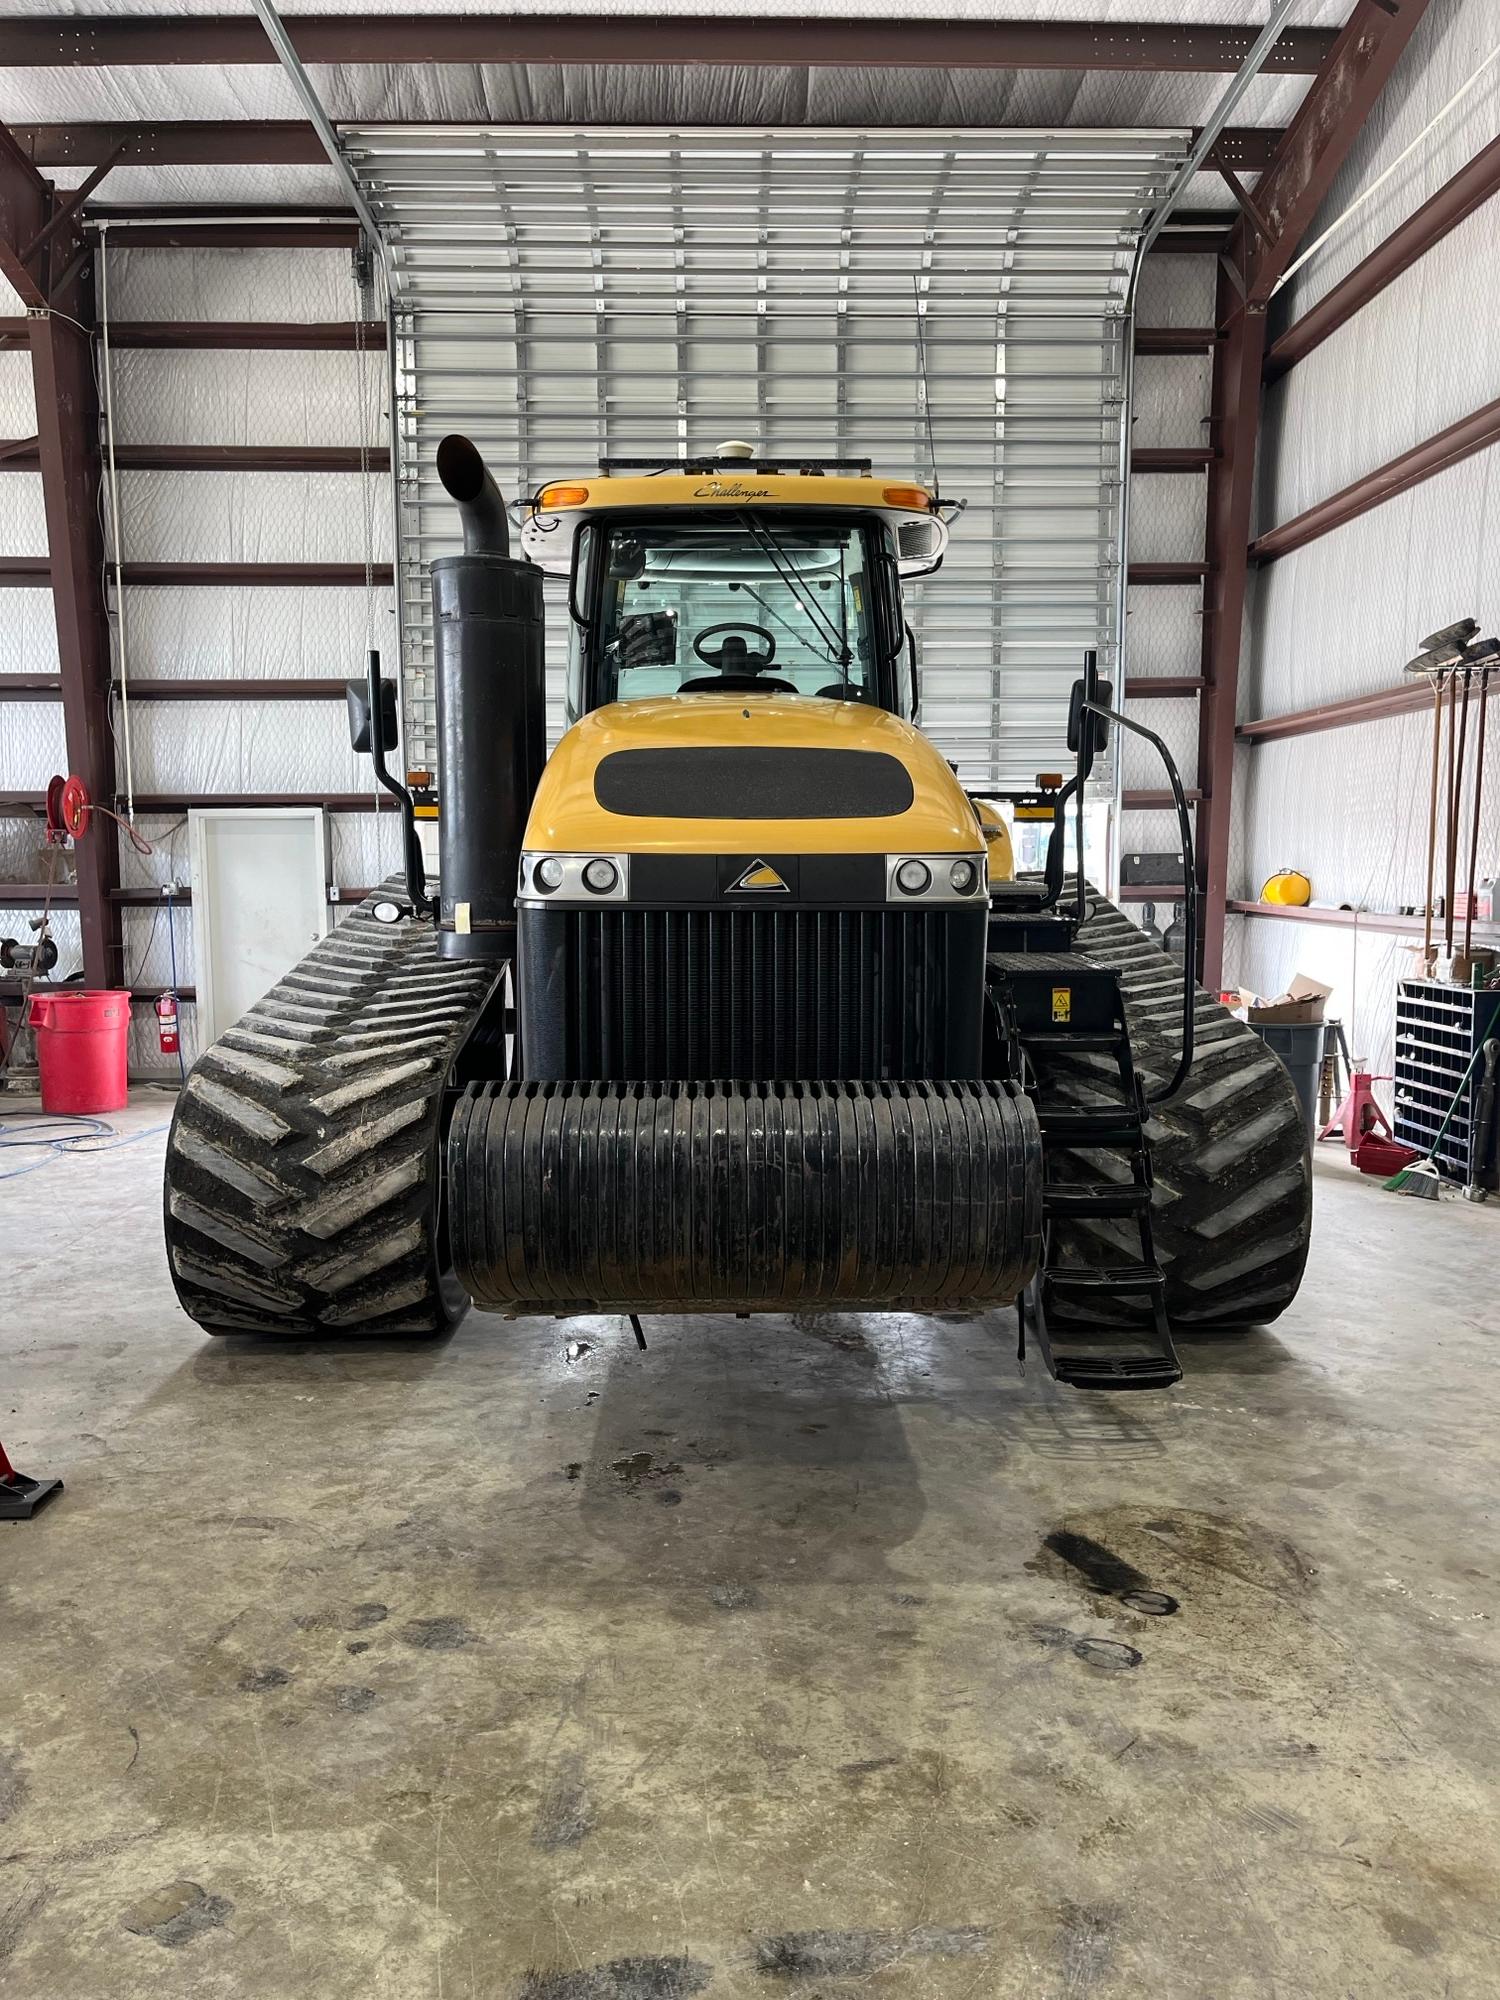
260, 902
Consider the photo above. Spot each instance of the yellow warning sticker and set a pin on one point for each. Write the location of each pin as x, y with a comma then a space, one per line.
1062, 1003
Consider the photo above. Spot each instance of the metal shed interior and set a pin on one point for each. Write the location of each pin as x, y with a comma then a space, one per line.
913, 247
912, 243
376, 1652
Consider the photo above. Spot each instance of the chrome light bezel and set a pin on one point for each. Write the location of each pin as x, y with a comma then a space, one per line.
940, 886
572, 888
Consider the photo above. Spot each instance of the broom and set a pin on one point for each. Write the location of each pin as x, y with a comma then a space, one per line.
1420, 1178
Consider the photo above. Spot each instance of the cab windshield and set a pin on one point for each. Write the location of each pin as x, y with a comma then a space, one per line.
741, 604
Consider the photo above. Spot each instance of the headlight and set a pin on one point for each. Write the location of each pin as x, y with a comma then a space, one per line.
963, 875
548, 873
600, 876
912, 877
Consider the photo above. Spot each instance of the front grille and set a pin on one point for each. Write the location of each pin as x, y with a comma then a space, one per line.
758, 994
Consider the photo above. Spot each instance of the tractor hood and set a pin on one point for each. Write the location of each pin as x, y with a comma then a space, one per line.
720, 773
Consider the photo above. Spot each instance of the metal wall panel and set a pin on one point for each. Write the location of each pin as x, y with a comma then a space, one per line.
562, 296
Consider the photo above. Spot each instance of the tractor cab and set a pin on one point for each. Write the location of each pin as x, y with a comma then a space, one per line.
736, 577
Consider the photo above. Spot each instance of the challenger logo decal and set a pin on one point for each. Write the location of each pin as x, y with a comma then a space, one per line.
760, 879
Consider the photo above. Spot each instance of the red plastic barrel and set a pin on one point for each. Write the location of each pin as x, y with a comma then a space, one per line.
80, 1049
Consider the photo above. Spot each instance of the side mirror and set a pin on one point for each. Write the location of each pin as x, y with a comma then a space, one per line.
1097, 737
357, 694
911, 662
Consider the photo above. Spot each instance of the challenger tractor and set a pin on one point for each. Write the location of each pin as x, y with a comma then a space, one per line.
734, 1004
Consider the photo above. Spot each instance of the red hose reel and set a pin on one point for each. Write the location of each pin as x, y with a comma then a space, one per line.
70, 813
69, 809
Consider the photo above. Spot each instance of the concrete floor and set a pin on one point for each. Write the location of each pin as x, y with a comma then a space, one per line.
744, 1667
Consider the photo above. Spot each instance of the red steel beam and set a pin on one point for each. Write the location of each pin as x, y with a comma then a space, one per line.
309, 336
920, 43
252, 572
30, 687
191, 142
1408, 697
1450, 447
171, 803
1169, 572
189, 235
1159, 687
1234, 418
67, 420
1171, 458
1317, 141
242, 689
67, 414
1158, 801
1175, 339
251, 458
1470, 188
24, 572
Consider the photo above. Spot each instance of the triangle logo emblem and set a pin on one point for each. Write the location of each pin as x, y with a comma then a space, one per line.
760, 878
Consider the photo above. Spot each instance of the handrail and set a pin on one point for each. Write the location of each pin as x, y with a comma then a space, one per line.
1086, 695
1189, 896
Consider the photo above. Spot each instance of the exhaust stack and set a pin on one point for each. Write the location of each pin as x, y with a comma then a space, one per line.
491, 695
470, 482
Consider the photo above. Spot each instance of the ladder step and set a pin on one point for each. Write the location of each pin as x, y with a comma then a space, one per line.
1100, 1198
1068, 1041
1117, 1371
1103, 1126
1108, 1278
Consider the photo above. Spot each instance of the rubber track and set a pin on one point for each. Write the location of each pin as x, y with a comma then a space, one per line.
1232, 1208
303, 1164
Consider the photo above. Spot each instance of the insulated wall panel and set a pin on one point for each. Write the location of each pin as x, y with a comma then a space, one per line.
1168, 516
228, 284
1165, 633
1171, 399
1417, 359
255, 517
247, 396
17, 398
1453, 48
32, 745
255, 631
22, 514
1342, 615
244, 746
28, 631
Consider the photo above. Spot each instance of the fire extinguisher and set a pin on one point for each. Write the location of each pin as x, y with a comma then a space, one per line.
166, 1023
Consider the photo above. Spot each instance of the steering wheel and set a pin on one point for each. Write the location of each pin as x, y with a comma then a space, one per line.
747, 662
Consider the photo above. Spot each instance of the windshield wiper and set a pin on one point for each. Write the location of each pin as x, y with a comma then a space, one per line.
836, 650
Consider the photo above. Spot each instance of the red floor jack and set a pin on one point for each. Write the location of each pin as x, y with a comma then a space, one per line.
19, 1496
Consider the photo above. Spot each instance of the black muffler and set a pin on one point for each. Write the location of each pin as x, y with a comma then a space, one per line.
491, 713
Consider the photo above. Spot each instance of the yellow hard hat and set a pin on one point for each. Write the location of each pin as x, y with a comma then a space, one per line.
1287, 887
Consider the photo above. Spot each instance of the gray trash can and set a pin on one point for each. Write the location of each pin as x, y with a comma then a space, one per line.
1301, 1052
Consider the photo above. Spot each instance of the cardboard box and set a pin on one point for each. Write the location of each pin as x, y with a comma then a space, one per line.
1300, 1006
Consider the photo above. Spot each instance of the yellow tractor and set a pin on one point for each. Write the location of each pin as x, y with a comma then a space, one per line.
734, 1004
